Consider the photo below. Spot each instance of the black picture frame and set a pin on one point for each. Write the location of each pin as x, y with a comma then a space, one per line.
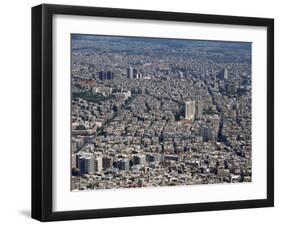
42, 111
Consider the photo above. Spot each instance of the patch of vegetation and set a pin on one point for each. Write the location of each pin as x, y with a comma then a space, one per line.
89, 96
129, 100
80, 127
209, 111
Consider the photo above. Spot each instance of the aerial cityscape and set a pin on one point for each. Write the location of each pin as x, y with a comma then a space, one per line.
150, 112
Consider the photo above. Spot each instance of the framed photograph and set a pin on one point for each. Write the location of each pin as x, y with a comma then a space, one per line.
145, 112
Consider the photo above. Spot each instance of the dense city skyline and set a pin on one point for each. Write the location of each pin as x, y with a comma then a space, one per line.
159, 112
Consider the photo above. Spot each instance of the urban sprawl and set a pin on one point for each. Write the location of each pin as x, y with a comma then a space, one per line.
159, 112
